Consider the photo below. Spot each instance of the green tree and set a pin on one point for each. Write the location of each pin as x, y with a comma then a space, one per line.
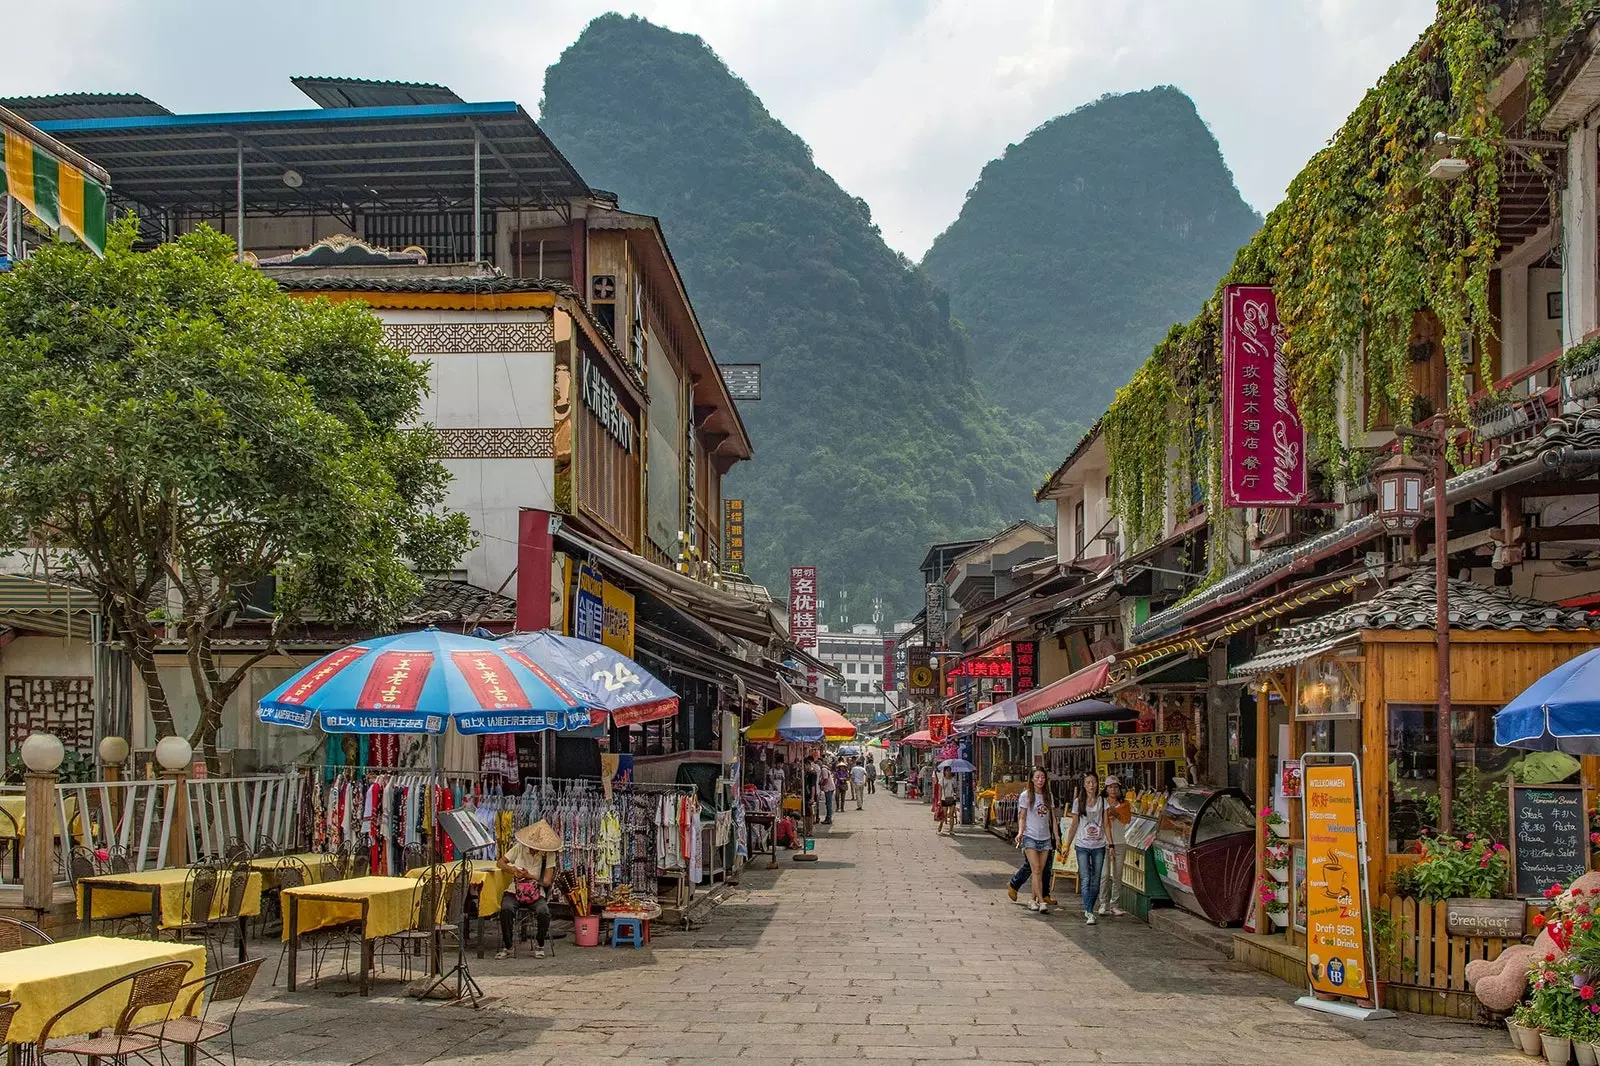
175, 429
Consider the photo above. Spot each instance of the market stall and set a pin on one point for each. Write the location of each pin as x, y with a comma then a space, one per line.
1205, 852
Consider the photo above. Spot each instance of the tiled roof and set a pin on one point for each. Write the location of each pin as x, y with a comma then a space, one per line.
1580, 431
375, 282
1410, 604
443, 600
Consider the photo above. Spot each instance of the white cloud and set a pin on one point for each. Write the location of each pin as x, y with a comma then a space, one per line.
903, 102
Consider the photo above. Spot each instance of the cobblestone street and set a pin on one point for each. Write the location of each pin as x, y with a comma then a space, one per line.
898, 946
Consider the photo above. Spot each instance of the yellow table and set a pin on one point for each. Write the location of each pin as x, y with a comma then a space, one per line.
14, 826
46, 978
383, 906
492, 882
162, 894
271, 864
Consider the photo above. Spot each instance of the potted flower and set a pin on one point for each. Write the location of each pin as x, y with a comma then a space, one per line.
1276, 861
1274, 823
1271, 894
1523, 1024
1557, 1004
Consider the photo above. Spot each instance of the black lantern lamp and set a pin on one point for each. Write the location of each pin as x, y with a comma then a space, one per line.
1399, 483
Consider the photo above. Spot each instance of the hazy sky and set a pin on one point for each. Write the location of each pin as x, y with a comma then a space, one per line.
903, 101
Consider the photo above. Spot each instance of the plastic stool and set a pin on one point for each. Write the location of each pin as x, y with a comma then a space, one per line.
627, 931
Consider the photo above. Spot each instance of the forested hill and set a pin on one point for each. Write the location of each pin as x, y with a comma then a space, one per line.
870, 440
1079, 247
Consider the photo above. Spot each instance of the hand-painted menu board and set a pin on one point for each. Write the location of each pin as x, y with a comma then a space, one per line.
1549, 842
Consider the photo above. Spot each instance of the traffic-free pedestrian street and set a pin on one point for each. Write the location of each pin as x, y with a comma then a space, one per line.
897, 947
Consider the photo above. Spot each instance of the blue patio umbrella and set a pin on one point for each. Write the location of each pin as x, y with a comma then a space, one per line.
1558, 712
957, 766
417, 682
603, 679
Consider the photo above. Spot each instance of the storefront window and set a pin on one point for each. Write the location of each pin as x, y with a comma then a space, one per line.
1481, 770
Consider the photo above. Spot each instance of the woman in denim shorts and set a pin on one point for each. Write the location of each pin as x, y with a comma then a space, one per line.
1036, 833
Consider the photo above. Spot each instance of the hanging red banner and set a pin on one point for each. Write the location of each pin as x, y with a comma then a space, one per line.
1263, 439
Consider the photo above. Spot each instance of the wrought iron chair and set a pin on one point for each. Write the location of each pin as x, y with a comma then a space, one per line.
14, 934
199, 898
291, 875
8, 1011
431, 902
233, 885
82, 863
148, 989
118, 861
198, 1000
11, 844
360, 864
236, 850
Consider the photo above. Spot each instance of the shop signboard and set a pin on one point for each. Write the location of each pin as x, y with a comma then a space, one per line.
1025, 665
733, 528
938, 727
889, 660
1549, 839
933, 623
1263, 438
803, 607
922, 679
616, 630
1136, 747
600, 397
588, 606
1338, 952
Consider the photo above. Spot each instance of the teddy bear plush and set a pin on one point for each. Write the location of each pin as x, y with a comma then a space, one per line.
1499, 983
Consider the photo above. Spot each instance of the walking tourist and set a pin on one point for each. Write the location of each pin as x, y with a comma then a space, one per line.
1024, 870
858, 783
1088, 835
949, 790
1036, 835
533, 860
810, 789
830, 785
872, 777
1118, 813
841, 782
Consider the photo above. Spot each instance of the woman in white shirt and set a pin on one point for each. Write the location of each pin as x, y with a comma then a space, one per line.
1036, 833
1088, 835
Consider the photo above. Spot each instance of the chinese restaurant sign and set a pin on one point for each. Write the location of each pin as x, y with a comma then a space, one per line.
933, 625
733, 526
803, 607
939, 727
1263, 439
890, 678
616, 631
1024, 664
1114, 748
1336, 945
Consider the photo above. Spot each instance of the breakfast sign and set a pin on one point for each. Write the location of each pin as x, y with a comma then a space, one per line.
1338, 956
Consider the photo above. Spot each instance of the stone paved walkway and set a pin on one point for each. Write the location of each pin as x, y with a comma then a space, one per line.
897, 947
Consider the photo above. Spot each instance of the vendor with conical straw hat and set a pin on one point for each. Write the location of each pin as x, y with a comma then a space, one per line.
533, 861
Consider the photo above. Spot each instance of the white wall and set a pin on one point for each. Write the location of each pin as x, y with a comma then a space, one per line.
488, 387
1543, 333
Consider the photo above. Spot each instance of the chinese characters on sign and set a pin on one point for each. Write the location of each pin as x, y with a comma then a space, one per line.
601, 398
921, 677
1136, 747
616, 630
1024, 665
939, 727
803, 607
933, 627
1263, 439
890, 677
733, 525
1336, 944
589, 612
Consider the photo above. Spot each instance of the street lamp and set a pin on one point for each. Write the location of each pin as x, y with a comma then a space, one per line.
1399, 483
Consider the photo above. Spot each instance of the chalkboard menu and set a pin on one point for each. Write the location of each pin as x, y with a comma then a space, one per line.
1549, 841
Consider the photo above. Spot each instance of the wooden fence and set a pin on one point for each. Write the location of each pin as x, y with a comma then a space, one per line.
1428, 963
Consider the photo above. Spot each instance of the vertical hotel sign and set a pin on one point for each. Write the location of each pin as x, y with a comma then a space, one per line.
1263, 439
733, 529
1338, 956
933, 625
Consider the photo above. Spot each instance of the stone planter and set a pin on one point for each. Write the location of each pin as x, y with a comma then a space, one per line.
1557, 1049
1528, 1039
1585, 1054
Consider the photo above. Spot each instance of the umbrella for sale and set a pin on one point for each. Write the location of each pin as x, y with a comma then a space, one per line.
1558, 712
416, 682
957, 766
601, 678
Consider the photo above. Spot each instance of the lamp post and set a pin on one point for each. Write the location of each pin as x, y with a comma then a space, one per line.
1399, 483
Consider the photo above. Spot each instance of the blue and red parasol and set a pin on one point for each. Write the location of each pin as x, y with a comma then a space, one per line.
418, 682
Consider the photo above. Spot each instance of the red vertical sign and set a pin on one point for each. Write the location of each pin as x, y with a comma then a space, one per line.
888, 664
1263, 439
1025, 665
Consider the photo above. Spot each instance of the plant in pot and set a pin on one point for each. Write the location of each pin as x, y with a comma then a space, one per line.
1523, 1024
1274, 822
1271, 894
1473, 868
1385, 933
1276, 861
1557, 1006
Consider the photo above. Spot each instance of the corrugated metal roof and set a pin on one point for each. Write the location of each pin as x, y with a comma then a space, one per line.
391, 157
362, 92
1279, 658
82, 105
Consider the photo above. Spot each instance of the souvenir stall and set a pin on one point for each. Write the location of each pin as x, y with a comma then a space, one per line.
1139, 887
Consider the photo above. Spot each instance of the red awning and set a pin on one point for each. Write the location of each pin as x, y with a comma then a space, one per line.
1075, 686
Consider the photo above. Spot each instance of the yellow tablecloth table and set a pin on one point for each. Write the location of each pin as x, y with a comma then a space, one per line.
14, 827
126, 895
382, 904
270, 865
492, 883
46, 978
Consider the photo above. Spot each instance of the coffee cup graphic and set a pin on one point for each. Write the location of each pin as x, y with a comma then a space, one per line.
1335, 886
1315, 962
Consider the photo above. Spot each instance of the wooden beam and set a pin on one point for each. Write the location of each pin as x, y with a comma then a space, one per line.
1570, 531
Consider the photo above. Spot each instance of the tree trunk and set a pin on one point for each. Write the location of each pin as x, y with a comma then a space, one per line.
144, 661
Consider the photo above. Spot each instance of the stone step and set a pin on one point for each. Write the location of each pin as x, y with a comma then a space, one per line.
1192, 929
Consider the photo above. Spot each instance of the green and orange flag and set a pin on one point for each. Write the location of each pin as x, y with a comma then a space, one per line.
58, 193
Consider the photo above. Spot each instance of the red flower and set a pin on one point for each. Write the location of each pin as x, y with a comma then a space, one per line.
1549, 956
1587, 991
1582, 908
1539, 921
1586, 926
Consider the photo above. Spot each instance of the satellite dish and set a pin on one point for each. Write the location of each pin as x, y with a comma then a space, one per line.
293, 179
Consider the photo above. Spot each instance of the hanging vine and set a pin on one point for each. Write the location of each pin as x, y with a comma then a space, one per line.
1363, 242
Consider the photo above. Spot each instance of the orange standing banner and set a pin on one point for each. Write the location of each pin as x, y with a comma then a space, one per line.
1337, 953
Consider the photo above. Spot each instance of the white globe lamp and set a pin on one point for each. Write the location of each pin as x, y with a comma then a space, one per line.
42, 753
173, 753
113, 751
